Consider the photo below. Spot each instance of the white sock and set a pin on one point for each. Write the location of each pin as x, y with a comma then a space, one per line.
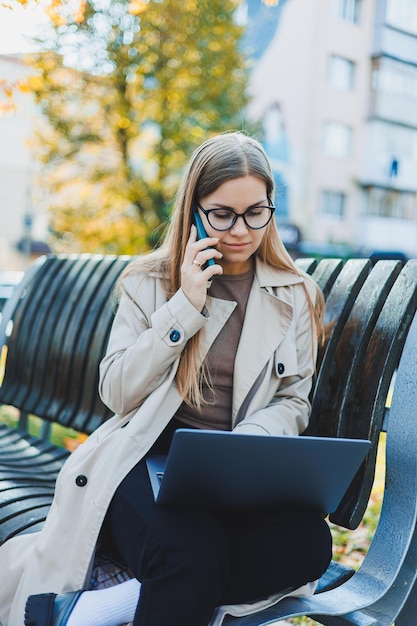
111, 606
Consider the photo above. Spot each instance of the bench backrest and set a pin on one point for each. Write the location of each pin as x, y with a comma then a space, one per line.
60, 330
62, 321
369, 311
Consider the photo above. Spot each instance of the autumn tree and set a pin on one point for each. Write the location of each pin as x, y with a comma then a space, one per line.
128, 89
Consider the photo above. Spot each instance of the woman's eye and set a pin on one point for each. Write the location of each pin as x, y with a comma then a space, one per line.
222, 215
254, 212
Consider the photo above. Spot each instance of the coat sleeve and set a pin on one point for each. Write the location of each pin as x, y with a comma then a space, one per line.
146, 340
288, 411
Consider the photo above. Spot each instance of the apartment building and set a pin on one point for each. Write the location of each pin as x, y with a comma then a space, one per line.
336, 92
23, 225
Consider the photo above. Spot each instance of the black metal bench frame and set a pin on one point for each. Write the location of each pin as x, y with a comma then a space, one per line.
56, 326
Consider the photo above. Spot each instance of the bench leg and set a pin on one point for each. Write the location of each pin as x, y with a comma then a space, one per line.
295, 607
408, 613
350, 619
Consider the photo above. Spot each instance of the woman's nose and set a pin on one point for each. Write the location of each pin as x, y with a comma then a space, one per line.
239, 227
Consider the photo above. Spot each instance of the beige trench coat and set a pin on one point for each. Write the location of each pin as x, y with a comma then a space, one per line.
272, 379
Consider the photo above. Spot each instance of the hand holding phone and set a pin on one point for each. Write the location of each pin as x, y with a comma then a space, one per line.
194, 284
201, 234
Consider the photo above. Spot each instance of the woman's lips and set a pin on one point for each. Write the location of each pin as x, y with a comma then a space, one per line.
236, 246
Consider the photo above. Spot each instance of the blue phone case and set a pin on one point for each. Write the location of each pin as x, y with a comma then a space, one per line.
201, 234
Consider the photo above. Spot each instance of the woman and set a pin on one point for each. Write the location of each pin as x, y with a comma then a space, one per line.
230, 346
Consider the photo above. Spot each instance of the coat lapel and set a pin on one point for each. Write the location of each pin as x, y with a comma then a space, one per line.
268, 317
220, 311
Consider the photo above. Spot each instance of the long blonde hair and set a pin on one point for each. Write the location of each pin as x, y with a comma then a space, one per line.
220, 159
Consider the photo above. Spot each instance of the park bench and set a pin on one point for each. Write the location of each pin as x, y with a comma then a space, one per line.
55, 328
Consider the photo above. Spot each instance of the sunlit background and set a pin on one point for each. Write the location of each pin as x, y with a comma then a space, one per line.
331, 93
17, 26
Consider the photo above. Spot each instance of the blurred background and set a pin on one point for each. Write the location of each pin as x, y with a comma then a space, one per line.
102, 102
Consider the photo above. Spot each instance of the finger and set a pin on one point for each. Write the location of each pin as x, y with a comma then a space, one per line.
193, 234
210, 271
205, 255
204, 249
200, 244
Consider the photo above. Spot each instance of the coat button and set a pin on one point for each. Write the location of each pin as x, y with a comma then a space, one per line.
281, 368
81, 480
175, 336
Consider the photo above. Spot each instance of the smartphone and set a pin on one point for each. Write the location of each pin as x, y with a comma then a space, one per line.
201, 234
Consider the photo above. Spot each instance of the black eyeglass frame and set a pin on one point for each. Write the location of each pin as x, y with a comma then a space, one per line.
237, 215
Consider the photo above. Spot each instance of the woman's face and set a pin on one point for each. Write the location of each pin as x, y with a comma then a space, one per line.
239, 243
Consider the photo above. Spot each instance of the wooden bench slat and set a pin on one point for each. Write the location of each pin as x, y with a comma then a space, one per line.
18, 476
337, 405
21, 447
31, 520
338, 306
68, 303
326, 273
339, 303
353, 343
367, 394
12, 489
91, 412
81, 316
307, 265
22, 505
22, 444
31, 330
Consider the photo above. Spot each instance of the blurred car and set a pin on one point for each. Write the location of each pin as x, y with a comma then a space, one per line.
8, 281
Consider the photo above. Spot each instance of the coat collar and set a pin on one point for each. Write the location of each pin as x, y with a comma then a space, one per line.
273, 277
267, 319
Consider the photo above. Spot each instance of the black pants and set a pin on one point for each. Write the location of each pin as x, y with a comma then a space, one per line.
191, 561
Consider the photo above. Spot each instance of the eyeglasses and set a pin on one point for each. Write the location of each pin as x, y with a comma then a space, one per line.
256, 217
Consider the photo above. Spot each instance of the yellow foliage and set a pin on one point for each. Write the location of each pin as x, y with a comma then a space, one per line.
7, 90
79, 13
136, 7
54, 13
113, 144
123, 122
71, 443
35, 83
24, 87
3, 356
23, 3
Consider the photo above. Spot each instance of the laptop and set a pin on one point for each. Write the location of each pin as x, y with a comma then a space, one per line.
222, 469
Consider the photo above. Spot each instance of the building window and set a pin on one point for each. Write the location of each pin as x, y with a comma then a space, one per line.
337, 140
391, 203
392, 140
332, 203
347, 10
402, 14
396, 78
340, 74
